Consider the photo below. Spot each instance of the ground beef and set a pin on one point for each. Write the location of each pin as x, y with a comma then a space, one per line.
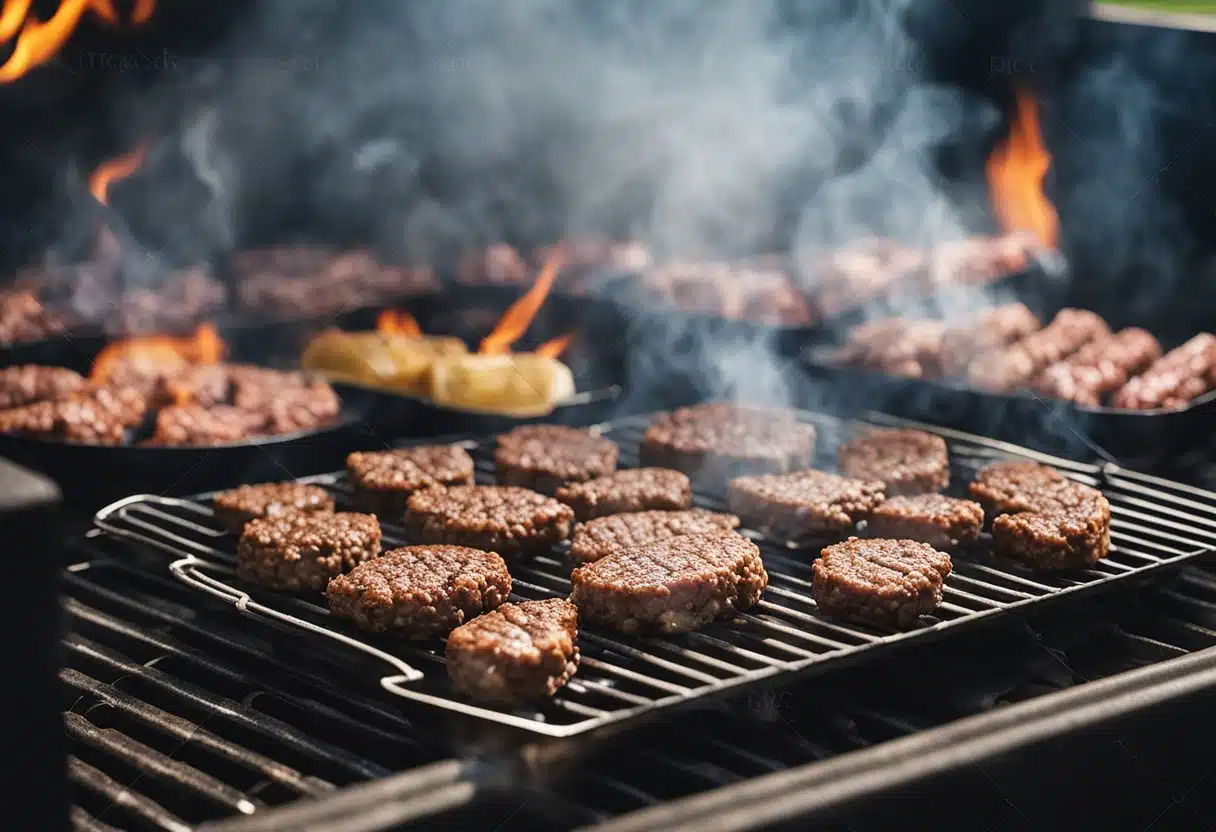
993, 329
637, 489
1043, 519
1100, 367
29, 383
1014, 368
673, 586
908, 461
601, 537
885, 582
383, 480
233, 509
517, 654
99, 416
420, 591
804, 505
512, 521
194, 424
943, 522
714, 442
24, 318
294, 409
896, 346
202, 384
300, 551
546, 457
1174, 380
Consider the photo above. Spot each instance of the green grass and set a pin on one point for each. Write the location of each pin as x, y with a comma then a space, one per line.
1192, 6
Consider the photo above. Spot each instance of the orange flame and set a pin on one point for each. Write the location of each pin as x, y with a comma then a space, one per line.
12, 16
160, 351
39, 42
516, 320
398, 322
115, 170
143, 10
555, 347
1016, 170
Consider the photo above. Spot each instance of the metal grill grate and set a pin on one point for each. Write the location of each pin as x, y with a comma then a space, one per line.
1155, 524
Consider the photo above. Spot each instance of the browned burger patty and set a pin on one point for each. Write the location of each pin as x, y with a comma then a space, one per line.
604, 535
674, 585
546, 457
908, 461
196, 424
1015, 367
887, 582
1100, 367
31, 383
298, 551
993, 329
420, 591
384, 480
943, 522
98, 416
235, 508
803, 505
1175, 379
636, 489
714, 442
1044, 519
512, 521
516, 654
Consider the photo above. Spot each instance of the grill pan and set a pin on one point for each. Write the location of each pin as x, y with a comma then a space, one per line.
1156, 525
1144, 439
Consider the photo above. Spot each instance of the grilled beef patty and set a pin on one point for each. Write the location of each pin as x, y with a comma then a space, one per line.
512, 521
298, 551
803, 505
31, 383
714, 442
673, 586
943, 522
384, 480
636, 489
97, 416
604, 535
1043, 519
235, 508
546, 457
518, 653
908, 461
420, 591
886, 582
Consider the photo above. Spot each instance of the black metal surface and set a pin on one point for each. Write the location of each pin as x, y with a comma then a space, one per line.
33, 626
1156, 525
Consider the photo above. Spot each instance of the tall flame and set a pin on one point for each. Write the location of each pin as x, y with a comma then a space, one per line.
398, 322
40, 41
115, 170
203, 347
516, 320
1016, 170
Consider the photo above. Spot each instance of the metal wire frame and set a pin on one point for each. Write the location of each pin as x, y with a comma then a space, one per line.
1156, 524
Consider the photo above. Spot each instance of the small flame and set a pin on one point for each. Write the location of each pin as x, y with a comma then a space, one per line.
12, 16
516, 320
115, 170
1016, 170
39, 42
203, 347
398, 322
555, 347
143, 10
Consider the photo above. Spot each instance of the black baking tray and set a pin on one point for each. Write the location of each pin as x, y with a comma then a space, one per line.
1151, 440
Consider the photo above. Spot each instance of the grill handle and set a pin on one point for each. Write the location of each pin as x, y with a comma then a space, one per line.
190, 570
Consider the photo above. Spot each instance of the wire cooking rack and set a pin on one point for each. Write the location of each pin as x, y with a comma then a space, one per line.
1155, 524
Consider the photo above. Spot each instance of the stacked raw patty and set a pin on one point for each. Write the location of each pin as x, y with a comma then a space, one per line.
646, 561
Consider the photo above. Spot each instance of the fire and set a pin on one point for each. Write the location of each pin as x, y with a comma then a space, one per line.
398, 322
40, 41
156, 351
1016, 170
115, 170
555, 347
515, 322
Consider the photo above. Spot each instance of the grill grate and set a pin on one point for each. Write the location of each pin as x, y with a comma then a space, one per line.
1155, 524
